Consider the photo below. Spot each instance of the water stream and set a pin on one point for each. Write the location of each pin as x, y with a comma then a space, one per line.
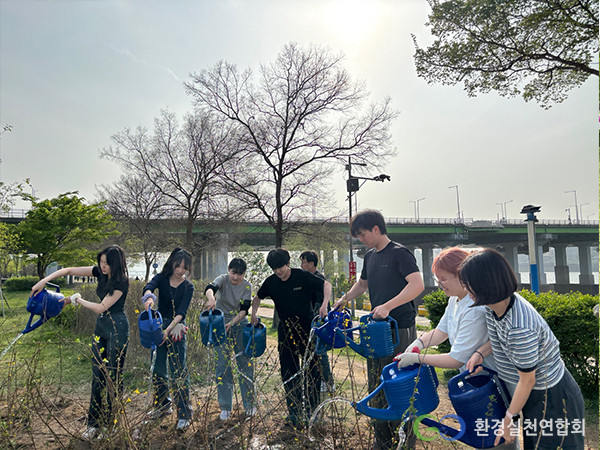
10, 345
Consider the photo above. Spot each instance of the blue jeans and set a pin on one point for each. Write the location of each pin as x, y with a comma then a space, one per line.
173, 353
234, 348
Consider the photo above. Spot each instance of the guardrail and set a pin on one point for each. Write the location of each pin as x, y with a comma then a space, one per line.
468, 221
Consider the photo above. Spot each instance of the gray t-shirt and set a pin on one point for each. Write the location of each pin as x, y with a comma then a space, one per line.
229, 297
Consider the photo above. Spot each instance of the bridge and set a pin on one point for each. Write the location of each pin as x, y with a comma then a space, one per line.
507, 236
426, 234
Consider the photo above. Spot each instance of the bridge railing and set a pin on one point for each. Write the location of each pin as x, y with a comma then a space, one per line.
14, 214
468, 221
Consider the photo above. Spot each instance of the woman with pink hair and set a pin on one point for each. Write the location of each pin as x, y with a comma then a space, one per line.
462, 324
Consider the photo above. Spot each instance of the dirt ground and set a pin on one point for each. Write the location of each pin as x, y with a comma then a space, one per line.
57, 419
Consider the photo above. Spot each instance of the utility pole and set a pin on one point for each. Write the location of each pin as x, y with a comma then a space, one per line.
352, 186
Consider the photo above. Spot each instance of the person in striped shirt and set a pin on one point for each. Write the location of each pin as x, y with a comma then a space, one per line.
527, 356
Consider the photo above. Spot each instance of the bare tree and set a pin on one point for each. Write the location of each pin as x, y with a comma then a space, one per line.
182, 163
138, 205
301, 113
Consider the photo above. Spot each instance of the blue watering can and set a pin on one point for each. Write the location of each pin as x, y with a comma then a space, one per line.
476, 398
399, 387
325, 330
46, 304
375, 337
150, 326
212, 327
255, 339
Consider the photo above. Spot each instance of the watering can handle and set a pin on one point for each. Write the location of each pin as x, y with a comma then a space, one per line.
394, 325
210, 338
55, 286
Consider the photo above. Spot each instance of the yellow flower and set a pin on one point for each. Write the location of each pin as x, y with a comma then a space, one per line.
128, 400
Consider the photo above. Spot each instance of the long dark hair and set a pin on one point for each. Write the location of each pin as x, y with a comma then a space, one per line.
115, 258
175, 258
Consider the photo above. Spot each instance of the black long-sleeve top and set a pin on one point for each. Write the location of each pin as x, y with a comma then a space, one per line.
171, 301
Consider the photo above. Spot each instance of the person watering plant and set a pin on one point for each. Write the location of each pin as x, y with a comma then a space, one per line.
232, 294
174, 295
111, 333
527, 355
462, 323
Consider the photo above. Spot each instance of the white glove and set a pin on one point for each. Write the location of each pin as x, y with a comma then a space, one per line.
418, 343
407, 359
178, 332
74, 298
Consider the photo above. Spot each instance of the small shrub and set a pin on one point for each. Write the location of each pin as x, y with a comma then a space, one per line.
436, 303
571, 319
26, 283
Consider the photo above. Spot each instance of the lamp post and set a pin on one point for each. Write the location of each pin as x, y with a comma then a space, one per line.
531, 210
457, 201
416, 203
505, 210
576, 207
581, 209
352, 186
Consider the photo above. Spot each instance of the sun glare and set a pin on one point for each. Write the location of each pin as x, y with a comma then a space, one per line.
350, 21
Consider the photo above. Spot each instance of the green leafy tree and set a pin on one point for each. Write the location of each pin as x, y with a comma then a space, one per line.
62, 229
539, 49
10, 249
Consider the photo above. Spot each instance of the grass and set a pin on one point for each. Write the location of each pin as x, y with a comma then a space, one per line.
58, 351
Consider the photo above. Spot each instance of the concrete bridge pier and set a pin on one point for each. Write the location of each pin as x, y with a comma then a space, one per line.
585, 264
511, 253
427, 260
212, 261
540, 264
561, 267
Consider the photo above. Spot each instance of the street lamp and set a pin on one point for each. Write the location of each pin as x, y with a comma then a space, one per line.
576, 207
505, 210
457, 200
416, 203
581, 209
531, 210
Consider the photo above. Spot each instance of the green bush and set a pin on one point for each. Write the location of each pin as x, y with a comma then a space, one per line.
436, 303
26, 283
572, 321
570, 318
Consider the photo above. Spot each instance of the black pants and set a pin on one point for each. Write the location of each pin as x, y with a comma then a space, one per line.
109, 348
385, 432
560, 403
292, 336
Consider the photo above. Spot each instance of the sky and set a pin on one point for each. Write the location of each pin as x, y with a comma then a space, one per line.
73, 73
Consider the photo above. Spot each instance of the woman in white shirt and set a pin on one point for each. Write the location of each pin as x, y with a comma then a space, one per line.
462, 324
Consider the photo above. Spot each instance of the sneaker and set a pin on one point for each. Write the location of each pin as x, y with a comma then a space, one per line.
251, 412
225, 415
160, 412
90, 433
182, 424
328, 387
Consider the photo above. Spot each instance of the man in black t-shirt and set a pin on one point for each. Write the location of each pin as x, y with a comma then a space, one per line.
309, 261
292, 291
391, 274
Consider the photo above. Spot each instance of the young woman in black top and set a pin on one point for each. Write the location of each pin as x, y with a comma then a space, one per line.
111, 333
174, 295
